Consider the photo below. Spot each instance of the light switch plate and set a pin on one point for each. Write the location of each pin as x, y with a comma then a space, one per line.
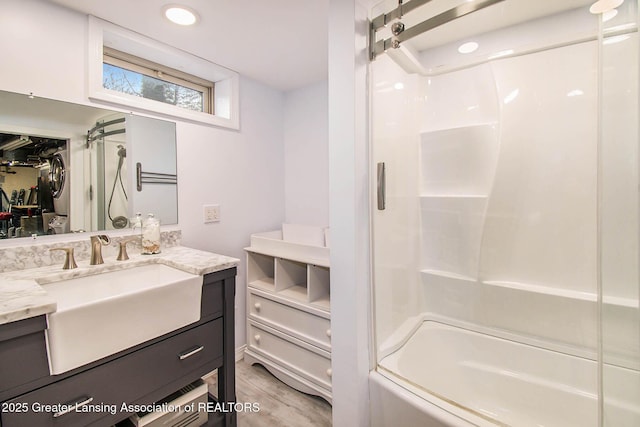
211, 213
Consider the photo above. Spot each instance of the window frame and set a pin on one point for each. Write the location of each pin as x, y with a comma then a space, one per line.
151, 69
224, 99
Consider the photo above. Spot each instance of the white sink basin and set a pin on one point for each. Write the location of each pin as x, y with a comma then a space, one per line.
102, 314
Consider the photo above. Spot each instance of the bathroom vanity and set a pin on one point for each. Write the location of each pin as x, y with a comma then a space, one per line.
140, 375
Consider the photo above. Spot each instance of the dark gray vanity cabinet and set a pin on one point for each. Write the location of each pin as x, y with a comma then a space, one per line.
141, 375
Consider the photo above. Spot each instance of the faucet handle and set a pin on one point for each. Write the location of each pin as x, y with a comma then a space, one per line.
69, 260
122, 254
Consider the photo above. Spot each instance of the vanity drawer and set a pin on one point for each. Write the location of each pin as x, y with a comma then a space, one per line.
23, 353
184, 357
306, 360
301, 324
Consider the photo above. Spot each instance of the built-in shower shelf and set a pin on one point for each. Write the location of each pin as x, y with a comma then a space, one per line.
458, 128
448, 274
545, 290
556, 290
621, 302
453, 196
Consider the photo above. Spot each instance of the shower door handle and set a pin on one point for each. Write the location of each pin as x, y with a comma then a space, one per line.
382, 186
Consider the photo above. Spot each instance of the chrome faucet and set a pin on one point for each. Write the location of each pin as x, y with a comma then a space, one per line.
96, 248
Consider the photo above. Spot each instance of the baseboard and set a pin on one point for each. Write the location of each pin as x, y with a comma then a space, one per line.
240, 352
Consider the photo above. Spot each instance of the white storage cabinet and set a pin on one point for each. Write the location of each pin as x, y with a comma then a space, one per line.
288, 312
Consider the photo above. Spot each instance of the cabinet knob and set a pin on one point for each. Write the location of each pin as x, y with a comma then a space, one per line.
329, 372
329, 333
256, 338
257, 306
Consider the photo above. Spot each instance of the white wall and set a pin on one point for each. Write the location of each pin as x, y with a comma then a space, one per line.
349, 211
43, 47
306, 155
243, 172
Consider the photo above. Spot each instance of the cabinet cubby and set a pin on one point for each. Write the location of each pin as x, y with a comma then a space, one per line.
319, 290
302, 282
261, 271
291, 279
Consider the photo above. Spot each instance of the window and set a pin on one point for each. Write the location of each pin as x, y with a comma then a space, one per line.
138, 73
135, 76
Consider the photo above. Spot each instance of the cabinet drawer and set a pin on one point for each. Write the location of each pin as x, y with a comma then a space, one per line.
124, 380
311, 363
301, 324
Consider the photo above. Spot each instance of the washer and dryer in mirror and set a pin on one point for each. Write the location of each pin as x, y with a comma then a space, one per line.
34, 193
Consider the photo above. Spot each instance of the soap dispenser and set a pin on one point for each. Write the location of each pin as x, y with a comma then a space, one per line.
136, 223
150, 235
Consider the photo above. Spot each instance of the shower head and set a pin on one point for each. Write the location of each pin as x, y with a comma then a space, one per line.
122, 152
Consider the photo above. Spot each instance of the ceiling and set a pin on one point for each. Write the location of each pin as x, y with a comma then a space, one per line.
282, 43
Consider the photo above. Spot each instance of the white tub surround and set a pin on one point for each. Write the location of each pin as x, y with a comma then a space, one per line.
505, 261
22, 295
497, 381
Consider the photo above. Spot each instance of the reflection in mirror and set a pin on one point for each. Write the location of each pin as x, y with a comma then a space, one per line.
106, 142
66, 167
133, 170
32, 185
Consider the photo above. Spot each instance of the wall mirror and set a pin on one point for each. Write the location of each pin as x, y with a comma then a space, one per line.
67, 167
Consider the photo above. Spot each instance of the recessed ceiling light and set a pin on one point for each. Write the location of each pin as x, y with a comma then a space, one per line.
468, 47
180, 15
602, 6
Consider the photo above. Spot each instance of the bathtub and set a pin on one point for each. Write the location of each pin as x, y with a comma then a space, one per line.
450, 376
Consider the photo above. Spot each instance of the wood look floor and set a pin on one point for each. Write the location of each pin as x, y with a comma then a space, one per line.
280, 405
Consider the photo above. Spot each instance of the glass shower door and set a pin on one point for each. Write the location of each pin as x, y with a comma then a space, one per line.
107, 150
619, 219
506, 256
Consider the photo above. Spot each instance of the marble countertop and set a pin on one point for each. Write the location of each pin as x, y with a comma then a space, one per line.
23, 293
